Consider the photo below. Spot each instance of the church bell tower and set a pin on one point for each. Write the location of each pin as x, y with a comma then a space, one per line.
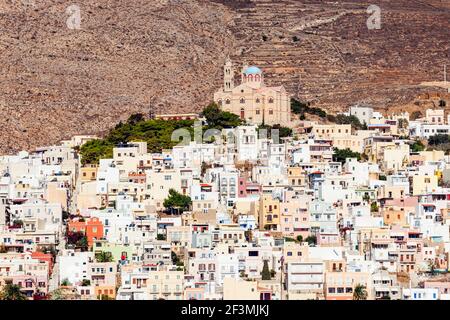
228, 75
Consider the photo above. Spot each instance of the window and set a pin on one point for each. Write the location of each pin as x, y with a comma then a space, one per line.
257, 111
270, 111
270, 100
242, 100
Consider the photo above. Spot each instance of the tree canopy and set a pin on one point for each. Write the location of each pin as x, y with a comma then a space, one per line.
438, 139
301, 108
283, 132
176, 200
417, 146
265, 274
340, 155
104, 256
156, 132
352, 120
360, 292
312, 240
219, 119
12, 292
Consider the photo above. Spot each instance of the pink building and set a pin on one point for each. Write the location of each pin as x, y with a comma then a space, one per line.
247, 188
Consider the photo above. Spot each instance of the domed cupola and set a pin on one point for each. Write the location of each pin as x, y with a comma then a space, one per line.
252, 75
253, 70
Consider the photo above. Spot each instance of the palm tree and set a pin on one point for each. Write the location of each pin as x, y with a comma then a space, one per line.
360, 292
12, 292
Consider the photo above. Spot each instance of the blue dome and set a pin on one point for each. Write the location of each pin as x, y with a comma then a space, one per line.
253, 70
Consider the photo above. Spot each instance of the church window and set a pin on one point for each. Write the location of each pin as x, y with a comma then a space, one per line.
270, 100
242, 113
242, 100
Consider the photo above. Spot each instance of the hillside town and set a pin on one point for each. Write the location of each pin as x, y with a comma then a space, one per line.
353, 206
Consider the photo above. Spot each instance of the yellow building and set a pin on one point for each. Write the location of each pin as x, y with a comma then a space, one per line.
395, 157
269, 213
104, 290
424, 184
329, 131
88, 173
433, 155
238, 289
391, 192
296, 176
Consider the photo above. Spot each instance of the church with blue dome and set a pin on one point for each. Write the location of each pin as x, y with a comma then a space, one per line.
252, 100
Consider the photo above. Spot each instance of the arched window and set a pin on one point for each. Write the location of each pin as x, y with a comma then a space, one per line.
270, 100
227, 101
257, 78
250, 78
242, 100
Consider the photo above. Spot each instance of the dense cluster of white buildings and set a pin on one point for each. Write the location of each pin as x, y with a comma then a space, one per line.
269, 218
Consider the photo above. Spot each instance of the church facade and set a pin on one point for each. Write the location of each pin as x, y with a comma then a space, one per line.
252, 100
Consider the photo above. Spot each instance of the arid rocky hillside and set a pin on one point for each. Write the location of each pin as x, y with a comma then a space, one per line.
166, 55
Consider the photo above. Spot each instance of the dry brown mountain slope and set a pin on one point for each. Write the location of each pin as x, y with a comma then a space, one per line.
324, 52
131, 55
128, 55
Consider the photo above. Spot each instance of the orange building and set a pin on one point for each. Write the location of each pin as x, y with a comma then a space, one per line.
92, 228
103, 290
393, 216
